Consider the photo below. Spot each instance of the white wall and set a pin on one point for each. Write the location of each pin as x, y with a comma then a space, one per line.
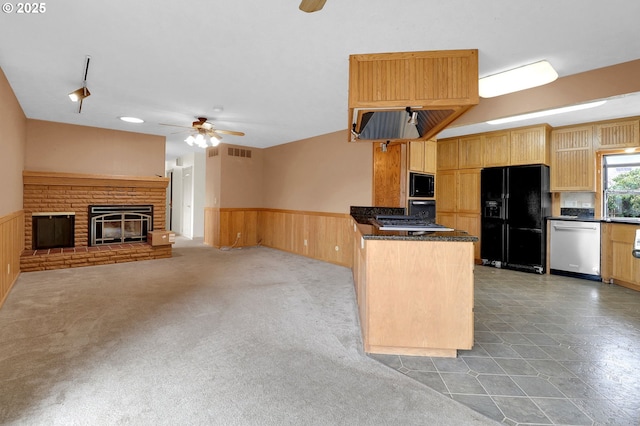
197, 161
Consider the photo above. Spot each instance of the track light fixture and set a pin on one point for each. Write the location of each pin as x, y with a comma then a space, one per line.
413, 116
83, 92
80, 94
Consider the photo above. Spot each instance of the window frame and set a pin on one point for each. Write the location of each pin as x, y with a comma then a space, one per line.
603, 190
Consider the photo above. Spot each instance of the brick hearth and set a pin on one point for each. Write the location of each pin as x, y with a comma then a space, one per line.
67, 192
40, 260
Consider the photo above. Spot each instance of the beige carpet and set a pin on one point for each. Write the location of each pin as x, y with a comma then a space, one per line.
209, 337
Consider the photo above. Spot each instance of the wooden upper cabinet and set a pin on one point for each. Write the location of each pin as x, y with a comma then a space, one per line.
422, 156
530, 145
617, 134
496, 147
443, 82
430, 156
470, 152
572, 160
447, 154
416, 156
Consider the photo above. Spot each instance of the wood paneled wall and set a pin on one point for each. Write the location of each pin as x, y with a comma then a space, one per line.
323, 236
11, 240
222, 226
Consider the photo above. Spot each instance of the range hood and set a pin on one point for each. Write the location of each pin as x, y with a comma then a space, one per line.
387, 89
394, 124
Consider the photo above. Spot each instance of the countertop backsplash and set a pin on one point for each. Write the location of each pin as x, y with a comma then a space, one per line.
575, 211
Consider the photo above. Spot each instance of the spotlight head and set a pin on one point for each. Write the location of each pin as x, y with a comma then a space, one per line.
80, 94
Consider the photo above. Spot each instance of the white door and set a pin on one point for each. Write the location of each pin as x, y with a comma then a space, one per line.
187, 202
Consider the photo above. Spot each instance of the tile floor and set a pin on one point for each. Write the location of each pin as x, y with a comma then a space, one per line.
549, 350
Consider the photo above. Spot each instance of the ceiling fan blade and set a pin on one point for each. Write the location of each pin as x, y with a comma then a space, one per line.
312, 5
173, 125
229, 132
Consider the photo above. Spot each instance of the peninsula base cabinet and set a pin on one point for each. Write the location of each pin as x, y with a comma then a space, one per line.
414, 297
618, 264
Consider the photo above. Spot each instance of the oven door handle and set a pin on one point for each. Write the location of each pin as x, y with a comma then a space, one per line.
421, 203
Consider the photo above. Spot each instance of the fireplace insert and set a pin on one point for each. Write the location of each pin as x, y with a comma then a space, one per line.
119, 224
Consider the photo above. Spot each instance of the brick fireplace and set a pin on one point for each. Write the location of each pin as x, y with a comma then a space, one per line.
48, 193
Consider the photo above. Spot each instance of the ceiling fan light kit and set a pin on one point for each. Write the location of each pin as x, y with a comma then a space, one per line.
203, 130
201, 141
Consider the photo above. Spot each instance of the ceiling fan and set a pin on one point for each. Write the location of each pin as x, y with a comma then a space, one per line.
312, 5
201, 129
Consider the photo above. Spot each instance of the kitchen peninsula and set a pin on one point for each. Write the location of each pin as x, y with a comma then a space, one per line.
414, 289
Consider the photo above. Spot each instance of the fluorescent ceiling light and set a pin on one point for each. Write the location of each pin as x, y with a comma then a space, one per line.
517, 79
131, 119
546, 112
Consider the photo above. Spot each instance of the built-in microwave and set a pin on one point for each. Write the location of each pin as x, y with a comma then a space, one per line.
421, 185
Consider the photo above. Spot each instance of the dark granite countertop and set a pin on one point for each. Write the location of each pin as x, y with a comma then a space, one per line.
363, 215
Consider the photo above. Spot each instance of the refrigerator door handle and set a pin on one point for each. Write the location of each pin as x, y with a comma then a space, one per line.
505, 207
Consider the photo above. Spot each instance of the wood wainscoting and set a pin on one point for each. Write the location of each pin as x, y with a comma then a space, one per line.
323, 236
11, 246
222, 226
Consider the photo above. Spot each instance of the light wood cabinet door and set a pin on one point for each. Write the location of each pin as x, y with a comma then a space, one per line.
470, 152
447, 219
430, 156
572, 160
617, 134
446, 191
496, 148
422, 156
447, 154
530, 145
416, 156
468, 191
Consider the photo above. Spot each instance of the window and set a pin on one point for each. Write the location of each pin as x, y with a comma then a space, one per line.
621, 185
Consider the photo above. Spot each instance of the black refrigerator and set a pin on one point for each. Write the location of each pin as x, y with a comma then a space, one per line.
515, 202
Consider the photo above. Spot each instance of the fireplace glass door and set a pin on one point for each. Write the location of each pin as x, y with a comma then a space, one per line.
120, 224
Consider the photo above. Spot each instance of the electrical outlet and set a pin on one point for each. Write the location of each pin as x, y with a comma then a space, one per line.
337, 248
239, 235
305, 243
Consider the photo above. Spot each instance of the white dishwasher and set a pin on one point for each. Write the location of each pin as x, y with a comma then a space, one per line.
574, 248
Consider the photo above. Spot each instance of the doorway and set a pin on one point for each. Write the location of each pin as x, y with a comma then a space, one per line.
187, 202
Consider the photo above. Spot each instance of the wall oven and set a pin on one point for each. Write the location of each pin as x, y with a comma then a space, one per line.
423, 208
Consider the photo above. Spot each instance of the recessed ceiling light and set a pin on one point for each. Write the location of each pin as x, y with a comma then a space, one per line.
521, 78
218, 108
131, 119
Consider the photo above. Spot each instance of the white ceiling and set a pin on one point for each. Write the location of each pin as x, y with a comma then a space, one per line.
281, 74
